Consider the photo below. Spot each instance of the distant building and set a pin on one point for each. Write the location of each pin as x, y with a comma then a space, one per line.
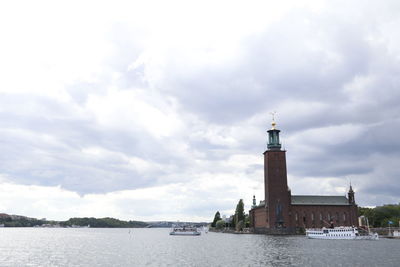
282, 212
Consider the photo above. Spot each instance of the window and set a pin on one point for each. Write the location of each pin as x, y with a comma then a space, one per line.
296, 217
312, 216
344, 216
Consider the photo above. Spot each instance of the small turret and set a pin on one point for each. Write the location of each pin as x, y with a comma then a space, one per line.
254, 201
350, 195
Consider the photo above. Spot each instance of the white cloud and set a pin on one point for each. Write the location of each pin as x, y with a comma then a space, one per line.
106, 108
167, 202
133, 110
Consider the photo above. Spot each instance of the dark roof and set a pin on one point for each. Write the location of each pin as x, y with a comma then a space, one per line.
320, 200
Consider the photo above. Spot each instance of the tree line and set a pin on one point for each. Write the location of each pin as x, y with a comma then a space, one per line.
103, 223
21, 221
382, 216
237, 221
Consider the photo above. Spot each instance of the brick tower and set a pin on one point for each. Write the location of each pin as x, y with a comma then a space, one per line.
277, 194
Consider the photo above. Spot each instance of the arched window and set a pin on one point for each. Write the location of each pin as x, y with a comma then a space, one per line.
320, 216
329, 216
312, 216
337, 217
296, 216
344, 216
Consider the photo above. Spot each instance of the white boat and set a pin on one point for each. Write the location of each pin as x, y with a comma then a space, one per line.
342, 232
184, 231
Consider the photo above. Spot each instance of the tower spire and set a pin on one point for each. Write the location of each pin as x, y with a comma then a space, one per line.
273, 135
350, 195
273, 123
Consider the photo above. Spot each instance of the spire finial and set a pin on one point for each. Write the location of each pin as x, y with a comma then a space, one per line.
273, 113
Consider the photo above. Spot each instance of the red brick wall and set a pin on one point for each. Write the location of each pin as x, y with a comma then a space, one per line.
339, 215
259, 217
276, 189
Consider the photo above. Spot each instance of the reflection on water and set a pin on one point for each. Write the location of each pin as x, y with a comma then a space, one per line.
154, 247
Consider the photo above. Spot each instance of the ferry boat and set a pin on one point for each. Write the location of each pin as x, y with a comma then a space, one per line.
342, 232
185, 231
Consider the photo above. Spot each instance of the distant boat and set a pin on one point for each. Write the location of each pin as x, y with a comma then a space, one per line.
188, 231
342, 232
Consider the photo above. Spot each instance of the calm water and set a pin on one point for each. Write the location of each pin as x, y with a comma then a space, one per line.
154, 247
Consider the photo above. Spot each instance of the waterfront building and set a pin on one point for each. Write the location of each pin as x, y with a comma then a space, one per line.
283, 213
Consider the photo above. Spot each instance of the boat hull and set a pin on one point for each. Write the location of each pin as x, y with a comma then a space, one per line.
366, 237
185, 233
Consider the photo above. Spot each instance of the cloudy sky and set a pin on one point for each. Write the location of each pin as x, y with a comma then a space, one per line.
159, 110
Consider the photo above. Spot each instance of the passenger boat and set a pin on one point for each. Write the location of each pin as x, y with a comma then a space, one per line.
185, 231
342, 232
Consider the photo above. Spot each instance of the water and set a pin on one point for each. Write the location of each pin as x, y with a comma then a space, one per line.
154, 247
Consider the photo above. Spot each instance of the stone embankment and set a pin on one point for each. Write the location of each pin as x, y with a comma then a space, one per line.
230, 231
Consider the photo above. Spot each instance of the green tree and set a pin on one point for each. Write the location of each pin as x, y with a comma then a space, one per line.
239, 225
239, 216
103, 222
247, 221
381, 215
220, 224
217, 217
384, 214
239, 213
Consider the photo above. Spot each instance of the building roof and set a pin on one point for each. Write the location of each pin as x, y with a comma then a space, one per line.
260, 205
320, 200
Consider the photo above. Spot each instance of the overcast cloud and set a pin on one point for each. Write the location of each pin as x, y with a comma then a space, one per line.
159, 110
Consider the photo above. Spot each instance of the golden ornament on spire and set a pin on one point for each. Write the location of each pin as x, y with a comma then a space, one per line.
273, 123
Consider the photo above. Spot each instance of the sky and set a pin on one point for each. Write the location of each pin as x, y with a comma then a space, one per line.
158, 110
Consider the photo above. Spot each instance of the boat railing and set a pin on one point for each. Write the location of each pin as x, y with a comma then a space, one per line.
314, 229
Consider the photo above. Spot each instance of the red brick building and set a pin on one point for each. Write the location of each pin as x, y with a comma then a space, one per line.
281, 212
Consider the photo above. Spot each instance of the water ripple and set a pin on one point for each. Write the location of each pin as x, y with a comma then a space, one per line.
154, 247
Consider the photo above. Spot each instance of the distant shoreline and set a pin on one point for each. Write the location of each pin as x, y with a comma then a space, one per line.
7, 220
